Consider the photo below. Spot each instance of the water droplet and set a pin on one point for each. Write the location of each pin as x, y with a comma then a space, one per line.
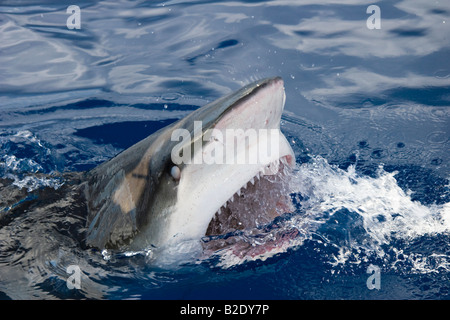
171, 96
363, 144
106, 254
438, 137
436, 161
378, 154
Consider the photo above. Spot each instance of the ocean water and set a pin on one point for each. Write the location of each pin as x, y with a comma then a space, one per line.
367, 114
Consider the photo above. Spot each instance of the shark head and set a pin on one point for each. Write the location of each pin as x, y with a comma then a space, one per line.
204, 175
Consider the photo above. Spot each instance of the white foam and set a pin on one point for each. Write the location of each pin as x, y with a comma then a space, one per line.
34, 182
13, 164
386, 209
387, 213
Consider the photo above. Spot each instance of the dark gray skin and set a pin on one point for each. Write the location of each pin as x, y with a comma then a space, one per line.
123, 194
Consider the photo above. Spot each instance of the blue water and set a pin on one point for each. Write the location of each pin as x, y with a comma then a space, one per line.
367, 114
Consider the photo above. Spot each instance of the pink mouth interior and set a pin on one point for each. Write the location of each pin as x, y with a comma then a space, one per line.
254, 206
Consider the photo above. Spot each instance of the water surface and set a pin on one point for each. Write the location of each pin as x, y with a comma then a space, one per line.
367, 114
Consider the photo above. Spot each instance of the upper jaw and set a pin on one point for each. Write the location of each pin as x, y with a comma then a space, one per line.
259, 109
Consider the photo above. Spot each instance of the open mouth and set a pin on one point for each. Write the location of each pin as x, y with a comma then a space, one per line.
252, 208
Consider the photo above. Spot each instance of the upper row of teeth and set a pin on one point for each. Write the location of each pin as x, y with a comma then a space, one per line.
270, 169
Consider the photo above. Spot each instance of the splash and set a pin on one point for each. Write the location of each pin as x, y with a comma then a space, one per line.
364, 216
360, 216
386, 209
32, 183
27, 161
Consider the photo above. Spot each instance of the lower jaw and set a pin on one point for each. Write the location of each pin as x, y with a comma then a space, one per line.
247, 227
257, 203
242, 247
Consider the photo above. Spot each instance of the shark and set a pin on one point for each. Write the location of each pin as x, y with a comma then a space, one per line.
211, 187
177, 185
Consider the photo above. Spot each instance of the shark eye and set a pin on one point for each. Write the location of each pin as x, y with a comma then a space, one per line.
175, 173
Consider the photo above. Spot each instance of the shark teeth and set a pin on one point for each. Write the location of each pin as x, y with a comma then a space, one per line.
270, 169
